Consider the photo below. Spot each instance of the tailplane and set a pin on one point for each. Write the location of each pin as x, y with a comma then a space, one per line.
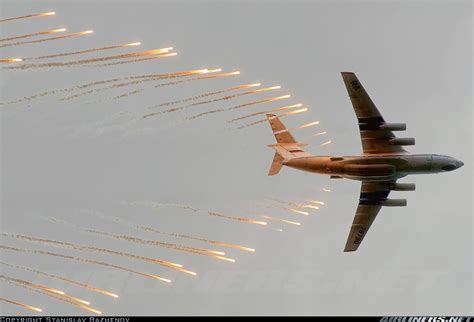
276, 165
286, 148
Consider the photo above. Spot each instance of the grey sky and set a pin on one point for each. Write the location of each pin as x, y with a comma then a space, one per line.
60, 158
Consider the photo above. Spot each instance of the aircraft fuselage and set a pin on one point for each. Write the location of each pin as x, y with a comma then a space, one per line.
378, 167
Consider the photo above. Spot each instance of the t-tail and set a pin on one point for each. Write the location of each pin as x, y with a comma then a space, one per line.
286, 148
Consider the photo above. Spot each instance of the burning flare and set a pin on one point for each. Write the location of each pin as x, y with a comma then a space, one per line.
51, 292
26, 306
265, 112
302, 110
325, 143
94, 250
85, 51
320, 133
84, 260
241, 106
182, 81
298, 127
174, 234
228, 97
86, 286
158, 56
43, 14
97, 59
11, 60
71, 35
48, 32
317, 202
197, 97
281, 220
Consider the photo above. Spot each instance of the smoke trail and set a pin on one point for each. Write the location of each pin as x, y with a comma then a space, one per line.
173, 234
183, 81
102, 82
280, 116
240, 106
53, 31
265, 112
85, 51
93, 250
84, 260
192, 250
26, 306
210, 213
64, 279
194, 98
153, 204
93, 60
51, 13
183, 248
137, 60
71, 35
228, 97
47, 293
247, 220
46, 289
137, 80
275, 229
286, 202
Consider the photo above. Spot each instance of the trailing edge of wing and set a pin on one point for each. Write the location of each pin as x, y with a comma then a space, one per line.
371, 195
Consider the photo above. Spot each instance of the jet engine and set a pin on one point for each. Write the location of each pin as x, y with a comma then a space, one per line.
402, 187
393, 126
402, 141
394, 202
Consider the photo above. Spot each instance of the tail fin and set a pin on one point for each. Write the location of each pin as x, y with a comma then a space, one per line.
287, 147
282, 135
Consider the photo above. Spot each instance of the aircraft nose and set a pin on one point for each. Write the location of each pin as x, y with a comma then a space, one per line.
459, 164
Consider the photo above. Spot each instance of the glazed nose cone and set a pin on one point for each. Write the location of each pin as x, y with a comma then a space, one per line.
459, 164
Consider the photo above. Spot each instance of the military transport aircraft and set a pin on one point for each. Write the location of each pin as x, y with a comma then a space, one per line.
383, 162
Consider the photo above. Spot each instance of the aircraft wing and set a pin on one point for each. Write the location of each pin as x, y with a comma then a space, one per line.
375, 139
372, 194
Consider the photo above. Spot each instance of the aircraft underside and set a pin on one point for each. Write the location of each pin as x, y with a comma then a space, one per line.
383, 163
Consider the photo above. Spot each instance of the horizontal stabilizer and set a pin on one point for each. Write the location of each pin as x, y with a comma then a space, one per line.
276, 164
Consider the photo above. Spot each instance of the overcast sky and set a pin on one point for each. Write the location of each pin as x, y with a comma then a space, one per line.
71, 159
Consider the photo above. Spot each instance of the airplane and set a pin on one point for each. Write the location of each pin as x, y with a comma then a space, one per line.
383, 162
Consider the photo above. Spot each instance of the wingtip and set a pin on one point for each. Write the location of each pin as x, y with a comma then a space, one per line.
271, 116
347, 73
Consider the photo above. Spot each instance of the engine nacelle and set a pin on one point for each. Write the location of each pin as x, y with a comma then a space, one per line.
402, 141
403, 187
393, 126
394, 202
